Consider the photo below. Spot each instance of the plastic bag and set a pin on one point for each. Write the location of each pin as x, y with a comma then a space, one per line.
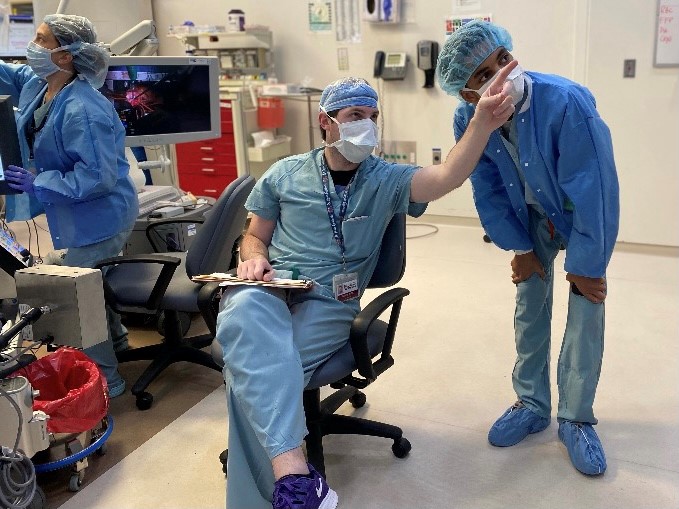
73, 390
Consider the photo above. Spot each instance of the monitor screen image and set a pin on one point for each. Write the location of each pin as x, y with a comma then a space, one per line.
165, 100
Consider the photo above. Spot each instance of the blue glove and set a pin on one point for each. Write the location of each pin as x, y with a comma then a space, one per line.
20, 179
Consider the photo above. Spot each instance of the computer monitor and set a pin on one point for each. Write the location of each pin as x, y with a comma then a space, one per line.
13, 256
165, 100
10, 153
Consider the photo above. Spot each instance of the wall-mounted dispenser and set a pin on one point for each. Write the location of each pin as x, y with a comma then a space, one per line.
382, 11
427, 55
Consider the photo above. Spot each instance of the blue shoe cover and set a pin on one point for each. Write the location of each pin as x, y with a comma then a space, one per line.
584, 447
516, 424
116, 389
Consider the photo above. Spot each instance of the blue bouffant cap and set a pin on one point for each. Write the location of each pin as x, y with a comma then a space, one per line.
348, 92
465, 50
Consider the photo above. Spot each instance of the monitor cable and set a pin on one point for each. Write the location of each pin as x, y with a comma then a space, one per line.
38, 259
17, 473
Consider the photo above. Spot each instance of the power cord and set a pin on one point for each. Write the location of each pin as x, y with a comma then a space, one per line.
38, 259
17, 473
433, 227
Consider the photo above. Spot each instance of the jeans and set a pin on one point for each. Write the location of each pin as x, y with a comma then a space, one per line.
579, 364
86, 257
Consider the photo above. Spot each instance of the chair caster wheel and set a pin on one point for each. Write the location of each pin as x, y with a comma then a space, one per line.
357, 400
486, 239
223, 458
144, 400
401, 447
75, 482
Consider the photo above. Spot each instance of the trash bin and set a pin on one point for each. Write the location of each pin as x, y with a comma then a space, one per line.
73, 391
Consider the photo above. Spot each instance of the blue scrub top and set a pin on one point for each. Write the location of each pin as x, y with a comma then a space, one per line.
566, 157
291, 193
82, 180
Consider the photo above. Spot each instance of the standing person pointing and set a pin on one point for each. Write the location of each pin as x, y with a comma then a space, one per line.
546, 178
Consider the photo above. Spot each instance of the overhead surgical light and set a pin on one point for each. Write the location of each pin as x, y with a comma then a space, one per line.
139, 40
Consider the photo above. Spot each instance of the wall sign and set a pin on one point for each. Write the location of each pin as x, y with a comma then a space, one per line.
667, 34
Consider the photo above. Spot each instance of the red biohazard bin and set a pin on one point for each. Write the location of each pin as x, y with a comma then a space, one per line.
270, 112
73, 391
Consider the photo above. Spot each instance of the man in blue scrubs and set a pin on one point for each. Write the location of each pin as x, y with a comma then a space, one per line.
73, 153
320, 215
546, 179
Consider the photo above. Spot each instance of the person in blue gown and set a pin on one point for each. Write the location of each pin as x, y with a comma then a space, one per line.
546, 180
72, 146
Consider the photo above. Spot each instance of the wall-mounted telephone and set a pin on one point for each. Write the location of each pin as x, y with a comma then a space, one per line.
427, 55
390, 66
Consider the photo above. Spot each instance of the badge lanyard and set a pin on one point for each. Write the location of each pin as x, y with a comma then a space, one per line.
334, 224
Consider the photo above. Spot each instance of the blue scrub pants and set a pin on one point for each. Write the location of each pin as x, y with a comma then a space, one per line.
272, 341
86, 257
581, 354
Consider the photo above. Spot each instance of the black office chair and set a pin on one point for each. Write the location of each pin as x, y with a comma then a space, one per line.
162, 283
369, 338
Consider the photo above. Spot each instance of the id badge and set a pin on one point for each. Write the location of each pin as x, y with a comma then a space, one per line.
345, 286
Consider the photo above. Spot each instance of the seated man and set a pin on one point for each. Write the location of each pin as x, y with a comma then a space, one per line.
321, 214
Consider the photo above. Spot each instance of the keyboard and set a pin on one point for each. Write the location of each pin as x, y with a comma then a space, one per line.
149, 196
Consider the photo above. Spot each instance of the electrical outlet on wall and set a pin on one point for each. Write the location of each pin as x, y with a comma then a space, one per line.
629, 68
404, 152
436, 156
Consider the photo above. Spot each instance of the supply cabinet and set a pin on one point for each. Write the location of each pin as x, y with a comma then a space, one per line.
206, 167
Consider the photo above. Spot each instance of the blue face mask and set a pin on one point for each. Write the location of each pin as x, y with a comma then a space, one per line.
40, 60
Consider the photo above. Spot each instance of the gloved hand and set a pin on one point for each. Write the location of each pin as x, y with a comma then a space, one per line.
20, 179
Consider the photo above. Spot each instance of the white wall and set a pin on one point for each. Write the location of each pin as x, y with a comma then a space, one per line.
110, 17
586, 40
643, 114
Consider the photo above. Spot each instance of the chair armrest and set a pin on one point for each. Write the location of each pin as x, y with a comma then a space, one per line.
169, 263
208, 305
366, 317
150, 229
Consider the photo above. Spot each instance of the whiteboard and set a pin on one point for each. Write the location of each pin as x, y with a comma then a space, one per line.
667, 34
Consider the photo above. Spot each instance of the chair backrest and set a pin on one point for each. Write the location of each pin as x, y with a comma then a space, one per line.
391, 263
212, 249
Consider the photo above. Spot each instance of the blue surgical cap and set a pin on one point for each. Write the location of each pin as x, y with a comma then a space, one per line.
465, 50
348, 92
78, 36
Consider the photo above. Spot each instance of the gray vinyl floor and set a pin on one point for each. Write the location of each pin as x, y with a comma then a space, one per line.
454, 355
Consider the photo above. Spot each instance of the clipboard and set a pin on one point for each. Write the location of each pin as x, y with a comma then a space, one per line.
232, 280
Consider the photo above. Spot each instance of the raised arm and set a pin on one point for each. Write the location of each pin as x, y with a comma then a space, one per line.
493, 110
254, 250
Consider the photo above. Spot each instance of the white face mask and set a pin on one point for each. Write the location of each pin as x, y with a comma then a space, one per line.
515, 79
357, 140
